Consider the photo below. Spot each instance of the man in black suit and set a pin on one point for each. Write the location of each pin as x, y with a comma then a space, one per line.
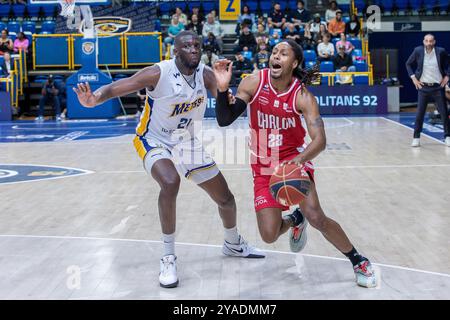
430, 78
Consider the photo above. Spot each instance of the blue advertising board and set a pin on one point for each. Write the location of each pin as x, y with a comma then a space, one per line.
5, 106
337, 100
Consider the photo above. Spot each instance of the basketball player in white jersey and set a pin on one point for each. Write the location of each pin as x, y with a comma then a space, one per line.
165, 140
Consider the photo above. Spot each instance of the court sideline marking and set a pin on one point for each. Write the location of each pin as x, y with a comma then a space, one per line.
214, 246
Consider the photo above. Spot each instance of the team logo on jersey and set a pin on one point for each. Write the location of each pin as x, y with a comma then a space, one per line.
16, 173
110, 25
185, 107
88, 47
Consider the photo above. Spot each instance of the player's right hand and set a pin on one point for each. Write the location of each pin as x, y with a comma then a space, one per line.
223, 70
85, 95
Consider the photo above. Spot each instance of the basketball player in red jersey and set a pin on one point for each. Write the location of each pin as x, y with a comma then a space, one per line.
277, 98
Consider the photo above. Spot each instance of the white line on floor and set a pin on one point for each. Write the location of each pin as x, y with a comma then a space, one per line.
411, 129
214, 246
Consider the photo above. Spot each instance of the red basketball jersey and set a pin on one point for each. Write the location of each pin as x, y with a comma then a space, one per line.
276, 131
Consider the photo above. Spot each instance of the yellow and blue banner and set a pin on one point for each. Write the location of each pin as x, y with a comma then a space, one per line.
230, 9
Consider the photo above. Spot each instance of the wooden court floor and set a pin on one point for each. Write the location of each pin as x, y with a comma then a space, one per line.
97, 235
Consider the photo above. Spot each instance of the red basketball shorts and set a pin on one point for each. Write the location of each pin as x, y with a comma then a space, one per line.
263, 197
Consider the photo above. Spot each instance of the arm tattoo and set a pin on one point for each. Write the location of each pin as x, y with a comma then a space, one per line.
318, 123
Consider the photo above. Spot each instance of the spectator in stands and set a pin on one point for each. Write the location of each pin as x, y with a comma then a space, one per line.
247, 41
316, 24
262, 35
246, 17
195, 25
175, 28
300, 16
292, 33
261, 21
307, 40
277, 18
275, 39
343, 63
347, 44
336, 26
213, 26
21, 43
318, 37
200, 17
241, 66
209, 57
262, 57
50, 92
180, 15
325, 49
6, 44
6, 66
353, 27
330, 14
210, 42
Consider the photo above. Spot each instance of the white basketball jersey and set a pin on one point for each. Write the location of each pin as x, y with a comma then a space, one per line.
174, 105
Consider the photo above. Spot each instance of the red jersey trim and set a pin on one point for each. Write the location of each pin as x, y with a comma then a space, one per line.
295, 100
284, 93
260, 85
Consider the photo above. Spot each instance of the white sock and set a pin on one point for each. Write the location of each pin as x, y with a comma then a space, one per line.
169, 243
231, 235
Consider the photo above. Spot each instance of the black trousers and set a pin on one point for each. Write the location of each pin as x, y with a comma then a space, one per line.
436, 93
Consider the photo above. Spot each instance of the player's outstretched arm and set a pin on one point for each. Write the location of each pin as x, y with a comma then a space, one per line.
147, 77
226, 113
306, 103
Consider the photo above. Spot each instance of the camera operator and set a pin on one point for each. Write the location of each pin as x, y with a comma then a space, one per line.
50, 92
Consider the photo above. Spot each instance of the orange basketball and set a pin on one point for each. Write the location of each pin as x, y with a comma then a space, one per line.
289, 184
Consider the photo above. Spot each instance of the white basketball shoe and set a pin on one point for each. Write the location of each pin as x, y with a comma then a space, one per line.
168, 271
242, 249
415, 143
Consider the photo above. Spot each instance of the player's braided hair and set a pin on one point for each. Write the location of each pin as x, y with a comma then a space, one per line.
306, 76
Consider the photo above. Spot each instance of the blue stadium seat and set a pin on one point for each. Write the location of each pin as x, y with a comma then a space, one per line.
45, 32
33, 10
324, 81
13, 26
4, 10
2, 60
356, 42
309, 64
266, 6
40, 79
310, 55
49, 9
361, 66
247, 54
29, 26
18, 10
334, 41
326, 66
357, 53
346, 19
360, 79
29, 36
2, 26
193, 4
48, 26
208, 6
165, 7
253, 5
